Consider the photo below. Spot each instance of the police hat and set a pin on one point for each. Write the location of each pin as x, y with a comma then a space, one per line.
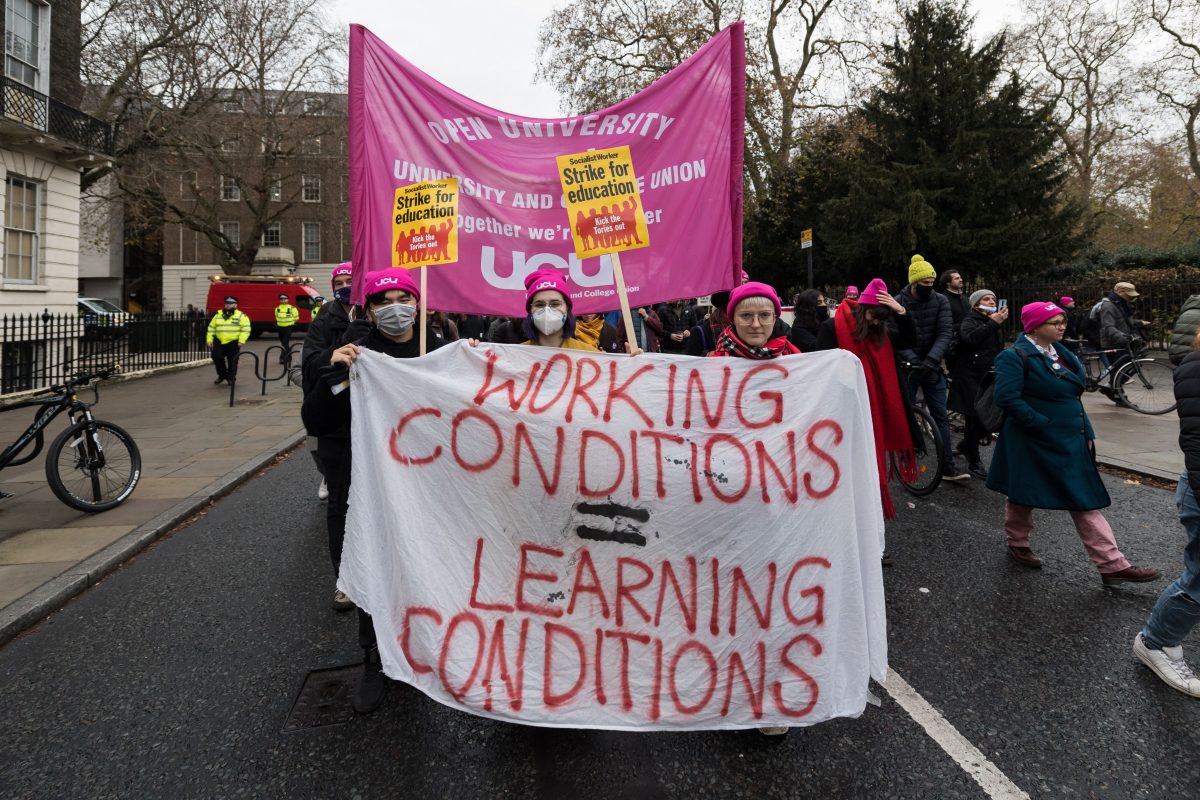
231, 299
283, 297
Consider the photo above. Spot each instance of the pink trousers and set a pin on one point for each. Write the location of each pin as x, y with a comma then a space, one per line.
1093, 529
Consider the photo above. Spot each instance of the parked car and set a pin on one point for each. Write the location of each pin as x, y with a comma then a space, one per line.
102, 319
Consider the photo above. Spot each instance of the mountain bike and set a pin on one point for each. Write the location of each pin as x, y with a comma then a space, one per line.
93, 465
1144, 384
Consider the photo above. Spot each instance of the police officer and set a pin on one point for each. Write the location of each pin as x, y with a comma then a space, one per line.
286, 316
227, 332
318, 301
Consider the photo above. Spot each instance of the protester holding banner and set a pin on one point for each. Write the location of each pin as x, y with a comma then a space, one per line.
876, 328
549, 321
1046, 454
391, 310
753, 309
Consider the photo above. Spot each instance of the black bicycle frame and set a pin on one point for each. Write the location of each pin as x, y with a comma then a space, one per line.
53, 406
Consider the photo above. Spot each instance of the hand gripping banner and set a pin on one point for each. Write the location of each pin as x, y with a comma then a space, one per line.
685, 134
592, 541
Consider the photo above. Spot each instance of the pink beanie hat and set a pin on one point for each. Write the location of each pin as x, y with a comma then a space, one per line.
345, 268
869, 295
753, 289
543, 279
1034, 315
385, 280
852, 292
1065, 301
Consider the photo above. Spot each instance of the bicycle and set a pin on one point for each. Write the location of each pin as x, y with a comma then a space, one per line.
93, 465
1142, 384
928, 452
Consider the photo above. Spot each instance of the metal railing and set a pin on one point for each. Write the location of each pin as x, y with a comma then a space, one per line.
35, 110
40, 350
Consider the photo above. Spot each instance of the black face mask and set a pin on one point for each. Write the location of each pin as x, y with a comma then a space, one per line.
923, 292
228, 312
822, 313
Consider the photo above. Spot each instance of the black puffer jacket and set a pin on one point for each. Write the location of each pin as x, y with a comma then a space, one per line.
323, 337
1187, 394
933, 323
979, 342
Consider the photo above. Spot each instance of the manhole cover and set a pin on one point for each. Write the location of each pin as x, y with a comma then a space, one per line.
324, 698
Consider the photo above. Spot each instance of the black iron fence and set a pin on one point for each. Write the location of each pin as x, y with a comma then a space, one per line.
40, 350
36, 110
1159, 301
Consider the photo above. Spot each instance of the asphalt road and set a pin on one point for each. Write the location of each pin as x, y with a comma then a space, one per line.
174, 678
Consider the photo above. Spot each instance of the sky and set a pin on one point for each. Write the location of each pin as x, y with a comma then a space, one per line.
490, 52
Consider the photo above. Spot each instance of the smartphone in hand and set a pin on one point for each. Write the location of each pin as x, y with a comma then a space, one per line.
1003, 304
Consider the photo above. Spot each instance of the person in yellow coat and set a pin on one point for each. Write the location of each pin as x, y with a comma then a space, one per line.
227, 332
286, 317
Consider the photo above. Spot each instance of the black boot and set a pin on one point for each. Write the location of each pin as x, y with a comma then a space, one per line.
372, 687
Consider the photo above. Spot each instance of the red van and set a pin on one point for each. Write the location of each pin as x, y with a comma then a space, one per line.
258, 295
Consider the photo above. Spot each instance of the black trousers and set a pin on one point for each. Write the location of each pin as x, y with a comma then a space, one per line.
225, 358
285, 341
972, 433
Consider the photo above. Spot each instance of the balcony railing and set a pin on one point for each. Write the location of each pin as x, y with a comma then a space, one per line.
35, 110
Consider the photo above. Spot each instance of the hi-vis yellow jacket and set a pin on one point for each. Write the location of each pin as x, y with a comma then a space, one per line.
286, 315
236, 328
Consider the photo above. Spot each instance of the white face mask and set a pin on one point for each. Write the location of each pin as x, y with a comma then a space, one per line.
394, 319
549, 320
988, 309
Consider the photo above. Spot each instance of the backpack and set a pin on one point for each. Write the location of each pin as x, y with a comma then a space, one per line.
1089, 330
990, 415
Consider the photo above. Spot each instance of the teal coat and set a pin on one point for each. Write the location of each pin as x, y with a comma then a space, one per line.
1042, 458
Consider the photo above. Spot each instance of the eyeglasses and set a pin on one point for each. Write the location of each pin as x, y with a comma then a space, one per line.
558, 305
1058, 323
750, 317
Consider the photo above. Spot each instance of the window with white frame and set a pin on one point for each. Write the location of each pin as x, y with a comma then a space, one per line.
189, 183
271, 236
312, 189
275, 190
24, 23
229, 145
230, 190
233, 232
21, 230
311, 145
312, 241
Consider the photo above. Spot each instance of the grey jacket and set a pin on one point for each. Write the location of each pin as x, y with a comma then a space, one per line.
1116, 327
1185, 330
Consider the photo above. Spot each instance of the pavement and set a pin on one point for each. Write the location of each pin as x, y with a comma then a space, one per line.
1140, 443
178, 676
194, 448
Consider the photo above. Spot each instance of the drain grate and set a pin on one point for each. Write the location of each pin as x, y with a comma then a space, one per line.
324, 699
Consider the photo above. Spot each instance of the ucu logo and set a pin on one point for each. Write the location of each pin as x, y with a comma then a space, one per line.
387, 282
545, 285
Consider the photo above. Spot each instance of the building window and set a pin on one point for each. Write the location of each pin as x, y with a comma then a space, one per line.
312, 241
312, 189
22, 32
275, 190
20, 230
189, 183
344, 244
314, 105
229, 145
232, 231
233, 104
311, 145
271, 235
187, 245
230, 190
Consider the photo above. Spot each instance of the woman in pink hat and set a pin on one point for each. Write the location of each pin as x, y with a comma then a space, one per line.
1046, 454
875, 327
549, 320
389, 328
752, 310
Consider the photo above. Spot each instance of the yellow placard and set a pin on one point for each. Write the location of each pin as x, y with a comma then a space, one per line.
425, 224
603, 204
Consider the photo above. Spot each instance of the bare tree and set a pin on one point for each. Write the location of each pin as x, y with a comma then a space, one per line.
222, 110
1075, 54
800, 59
1175, 76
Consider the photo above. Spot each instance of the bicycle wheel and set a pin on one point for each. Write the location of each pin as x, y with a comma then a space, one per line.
93, 466
928, 457
1147, 386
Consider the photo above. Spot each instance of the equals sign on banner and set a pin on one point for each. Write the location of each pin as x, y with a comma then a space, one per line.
622, 519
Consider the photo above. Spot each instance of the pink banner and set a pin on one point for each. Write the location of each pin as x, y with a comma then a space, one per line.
685, 133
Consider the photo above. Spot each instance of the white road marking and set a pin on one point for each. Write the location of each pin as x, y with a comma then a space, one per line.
989, 777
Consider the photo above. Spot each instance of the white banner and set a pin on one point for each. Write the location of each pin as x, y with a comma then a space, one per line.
592, 541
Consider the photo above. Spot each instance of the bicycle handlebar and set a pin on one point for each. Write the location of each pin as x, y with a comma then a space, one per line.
83, 378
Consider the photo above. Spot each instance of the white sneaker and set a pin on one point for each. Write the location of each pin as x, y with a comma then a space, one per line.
773, 731
1169, 665
323, 490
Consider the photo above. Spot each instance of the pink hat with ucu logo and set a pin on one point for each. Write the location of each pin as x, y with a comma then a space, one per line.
385, 280
1034, 315
543, 279
345, 268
